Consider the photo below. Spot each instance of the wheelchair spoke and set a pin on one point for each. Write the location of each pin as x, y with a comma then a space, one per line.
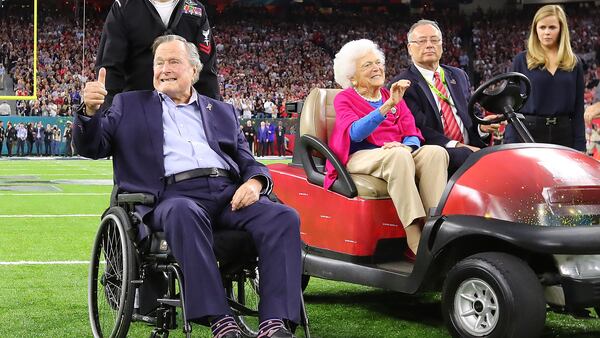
110, 281
244, 291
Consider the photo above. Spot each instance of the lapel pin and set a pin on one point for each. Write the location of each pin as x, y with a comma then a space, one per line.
209, 107
452, 81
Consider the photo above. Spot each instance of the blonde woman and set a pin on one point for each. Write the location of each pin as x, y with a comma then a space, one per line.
554, 111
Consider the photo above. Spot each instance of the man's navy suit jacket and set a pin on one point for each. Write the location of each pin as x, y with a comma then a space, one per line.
422, 104
131, 131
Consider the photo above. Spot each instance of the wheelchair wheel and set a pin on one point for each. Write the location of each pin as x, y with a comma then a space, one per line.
244, 291
112, 268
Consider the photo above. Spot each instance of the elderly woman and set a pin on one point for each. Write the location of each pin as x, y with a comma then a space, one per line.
375, 134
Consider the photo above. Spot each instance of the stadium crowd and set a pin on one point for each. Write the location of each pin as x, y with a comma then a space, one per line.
16, 52
266, 59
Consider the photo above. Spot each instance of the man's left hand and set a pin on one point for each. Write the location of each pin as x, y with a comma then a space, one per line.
492, 128
246, 194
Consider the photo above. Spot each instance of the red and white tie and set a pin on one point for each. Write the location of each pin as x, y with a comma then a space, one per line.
451, 128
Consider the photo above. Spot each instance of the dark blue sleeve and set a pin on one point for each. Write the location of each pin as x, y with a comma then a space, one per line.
412, 141
360, 129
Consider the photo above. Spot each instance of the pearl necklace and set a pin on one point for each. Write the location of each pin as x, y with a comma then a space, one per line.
366, 98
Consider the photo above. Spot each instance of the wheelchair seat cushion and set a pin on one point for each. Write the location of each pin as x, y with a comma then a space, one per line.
229, 246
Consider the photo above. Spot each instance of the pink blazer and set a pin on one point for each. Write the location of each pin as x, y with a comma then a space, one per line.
349, 107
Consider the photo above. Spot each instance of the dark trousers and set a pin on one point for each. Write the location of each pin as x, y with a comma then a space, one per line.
68, 149
38, 146
457, 156
263, 148
20, 147
47, 147
281, 146
271, 151
251, 145
188, 211
29, 147
560, 133
9, 145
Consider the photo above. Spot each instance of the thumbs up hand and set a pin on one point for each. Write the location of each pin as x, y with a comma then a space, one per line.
94, 93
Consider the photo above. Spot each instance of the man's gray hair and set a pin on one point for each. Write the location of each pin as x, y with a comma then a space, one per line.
423, 22
192, 50
344, 64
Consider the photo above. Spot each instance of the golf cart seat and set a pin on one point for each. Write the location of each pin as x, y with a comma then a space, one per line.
355, 218
317, 120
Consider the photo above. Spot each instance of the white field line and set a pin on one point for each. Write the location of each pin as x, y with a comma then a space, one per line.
50, 216
47, 168
45, 263
14, 177
59, 194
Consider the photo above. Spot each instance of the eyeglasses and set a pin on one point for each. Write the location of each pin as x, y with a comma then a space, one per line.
422, 42
368, 65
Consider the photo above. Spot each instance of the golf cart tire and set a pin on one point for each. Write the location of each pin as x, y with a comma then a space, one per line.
497, 294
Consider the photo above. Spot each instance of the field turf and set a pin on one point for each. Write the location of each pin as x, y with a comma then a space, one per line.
47, 228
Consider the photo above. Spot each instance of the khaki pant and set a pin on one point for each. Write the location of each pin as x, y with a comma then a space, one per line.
415, 180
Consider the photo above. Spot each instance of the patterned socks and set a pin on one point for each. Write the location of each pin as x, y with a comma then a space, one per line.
222, 325
268, 327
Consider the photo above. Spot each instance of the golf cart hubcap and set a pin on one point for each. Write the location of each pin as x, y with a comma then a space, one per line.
476, 307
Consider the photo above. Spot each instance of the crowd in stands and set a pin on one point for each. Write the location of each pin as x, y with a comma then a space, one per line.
266, 60
62, 70
16, 51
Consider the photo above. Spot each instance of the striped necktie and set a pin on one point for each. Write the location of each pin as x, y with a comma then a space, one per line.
451, 128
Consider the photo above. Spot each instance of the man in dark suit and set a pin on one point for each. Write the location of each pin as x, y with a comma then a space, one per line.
439, 97
280, 135
129, 30
189, 152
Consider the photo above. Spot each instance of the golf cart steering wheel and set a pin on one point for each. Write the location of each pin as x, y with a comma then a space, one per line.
500, 95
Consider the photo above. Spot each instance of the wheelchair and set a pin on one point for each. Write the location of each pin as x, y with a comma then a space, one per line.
138, 280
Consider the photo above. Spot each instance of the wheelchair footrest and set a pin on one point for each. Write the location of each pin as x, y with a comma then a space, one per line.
241, 309
169, 302
145, 319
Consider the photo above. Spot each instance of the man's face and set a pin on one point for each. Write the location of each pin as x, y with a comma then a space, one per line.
425, 46
173, 72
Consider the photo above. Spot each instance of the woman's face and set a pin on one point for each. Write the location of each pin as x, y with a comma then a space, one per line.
370, 72
548, 31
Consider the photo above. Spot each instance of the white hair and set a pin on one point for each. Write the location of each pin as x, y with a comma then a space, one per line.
192, 50
344, 64
423, 22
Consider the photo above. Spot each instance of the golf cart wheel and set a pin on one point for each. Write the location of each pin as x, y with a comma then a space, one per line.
493, 294
112, 268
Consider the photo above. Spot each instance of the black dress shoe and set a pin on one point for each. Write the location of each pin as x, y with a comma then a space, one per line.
282, 333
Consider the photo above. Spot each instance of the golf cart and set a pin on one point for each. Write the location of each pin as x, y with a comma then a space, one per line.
517, 228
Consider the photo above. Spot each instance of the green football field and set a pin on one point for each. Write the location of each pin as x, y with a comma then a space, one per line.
49, 211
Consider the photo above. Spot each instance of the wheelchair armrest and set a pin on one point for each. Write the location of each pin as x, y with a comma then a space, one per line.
343, 185
136, 198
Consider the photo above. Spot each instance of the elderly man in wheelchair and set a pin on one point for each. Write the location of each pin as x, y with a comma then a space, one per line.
195, 183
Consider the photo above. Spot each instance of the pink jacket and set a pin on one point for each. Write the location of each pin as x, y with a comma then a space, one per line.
349, 107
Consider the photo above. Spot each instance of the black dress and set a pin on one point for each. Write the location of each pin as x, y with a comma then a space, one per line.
554, 111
